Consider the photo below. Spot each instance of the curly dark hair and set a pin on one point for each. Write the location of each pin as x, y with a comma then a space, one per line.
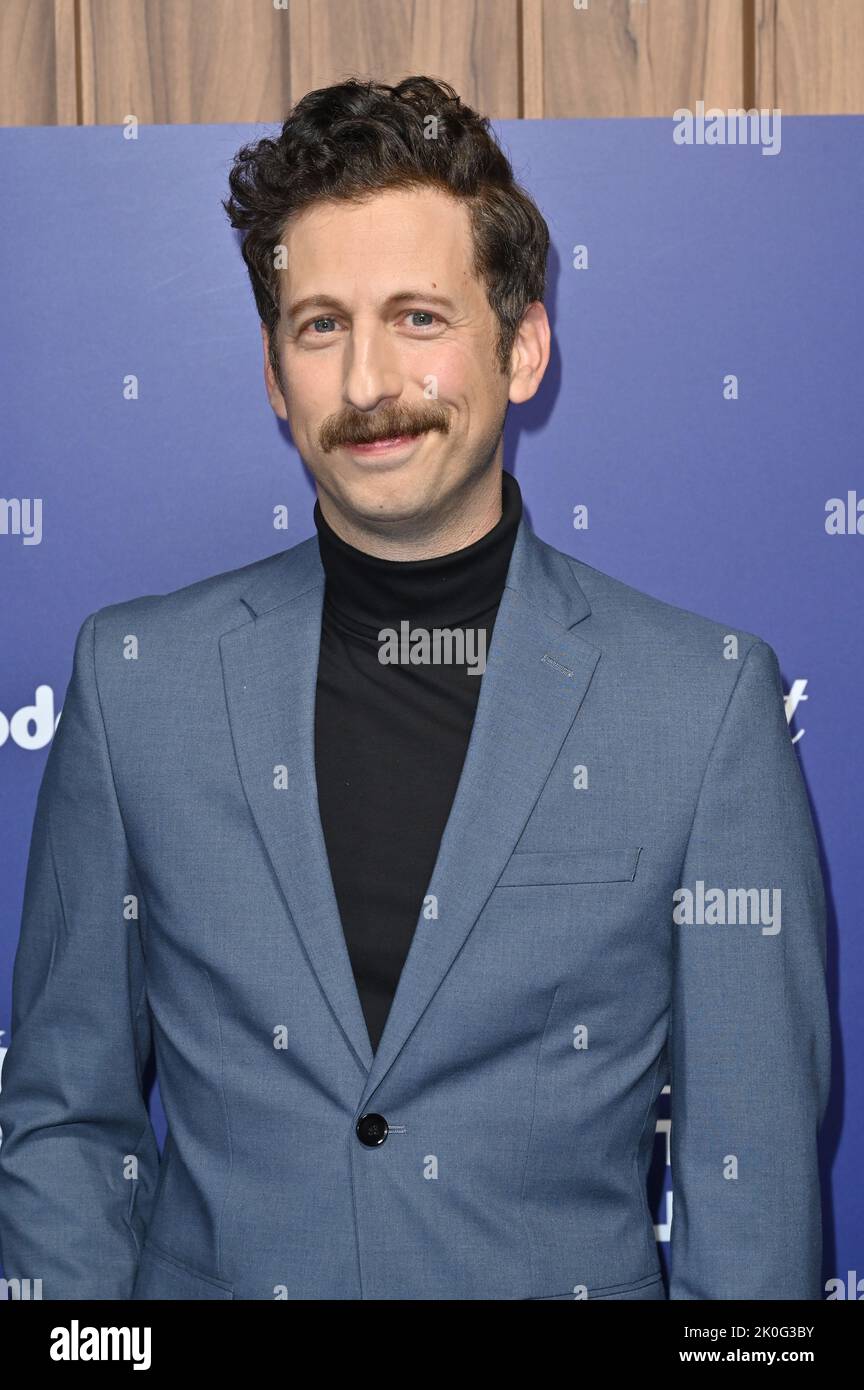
354, 139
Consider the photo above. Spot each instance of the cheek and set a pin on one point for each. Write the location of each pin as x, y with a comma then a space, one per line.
311, 394
453, 377
471, 368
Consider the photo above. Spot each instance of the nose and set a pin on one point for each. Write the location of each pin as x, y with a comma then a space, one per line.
372, 371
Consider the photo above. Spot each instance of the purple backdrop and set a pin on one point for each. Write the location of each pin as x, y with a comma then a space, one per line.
703, 262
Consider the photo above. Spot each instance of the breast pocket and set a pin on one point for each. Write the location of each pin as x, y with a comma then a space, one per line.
573, 866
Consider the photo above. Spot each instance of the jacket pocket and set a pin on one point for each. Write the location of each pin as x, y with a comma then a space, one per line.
643, 1288
162, 1276
572, 866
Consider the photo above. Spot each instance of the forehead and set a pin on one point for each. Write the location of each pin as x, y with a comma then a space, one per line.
345, 249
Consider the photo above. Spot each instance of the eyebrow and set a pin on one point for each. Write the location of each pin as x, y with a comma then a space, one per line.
327, 301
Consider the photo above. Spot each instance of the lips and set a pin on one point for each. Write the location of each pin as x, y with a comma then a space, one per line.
383, 446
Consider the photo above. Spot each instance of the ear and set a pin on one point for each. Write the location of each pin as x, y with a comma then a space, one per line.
531, 352
272, 384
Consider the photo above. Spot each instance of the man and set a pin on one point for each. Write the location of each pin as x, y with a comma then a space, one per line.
423, 854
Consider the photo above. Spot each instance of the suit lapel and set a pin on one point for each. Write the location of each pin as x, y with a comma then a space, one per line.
537, 674
270, 668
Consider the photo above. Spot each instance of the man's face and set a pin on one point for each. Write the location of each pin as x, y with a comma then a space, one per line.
383, 331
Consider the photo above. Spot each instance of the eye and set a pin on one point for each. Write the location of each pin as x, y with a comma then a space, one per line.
313, 323
427, 313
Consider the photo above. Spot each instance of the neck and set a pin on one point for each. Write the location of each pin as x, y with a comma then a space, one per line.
366, 592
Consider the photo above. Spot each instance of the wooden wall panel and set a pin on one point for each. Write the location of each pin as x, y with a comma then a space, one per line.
472, 44
63, 61
640, 57
810, 56
37, 62
180, 61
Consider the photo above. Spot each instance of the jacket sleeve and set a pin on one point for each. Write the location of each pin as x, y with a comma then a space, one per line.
74, 1122
749, 1035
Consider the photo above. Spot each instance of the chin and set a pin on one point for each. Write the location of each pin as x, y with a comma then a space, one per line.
387, 497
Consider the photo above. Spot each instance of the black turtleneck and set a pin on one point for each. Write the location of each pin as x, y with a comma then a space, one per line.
390, 739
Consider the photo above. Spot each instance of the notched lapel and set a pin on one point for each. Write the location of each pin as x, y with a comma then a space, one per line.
270, 667
537, 674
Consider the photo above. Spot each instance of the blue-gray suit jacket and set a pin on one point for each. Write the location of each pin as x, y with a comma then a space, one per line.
178, 895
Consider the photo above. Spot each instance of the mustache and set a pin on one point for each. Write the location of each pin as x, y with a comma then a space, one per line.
353, 427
